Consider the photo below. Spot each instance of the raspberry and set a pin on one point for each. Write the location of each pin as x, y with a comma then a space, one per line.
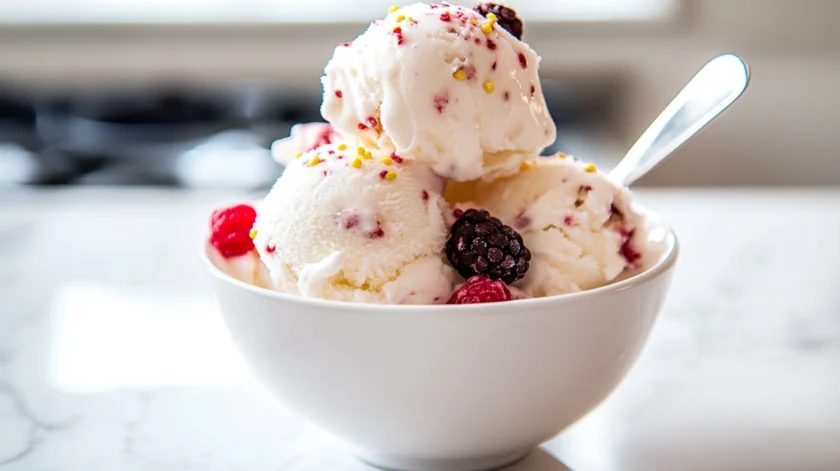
507, 18
230, 230
481, 245
480, 289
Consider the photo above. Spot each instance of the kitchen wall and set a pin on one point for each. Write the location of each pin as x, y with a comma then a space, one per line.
782, 132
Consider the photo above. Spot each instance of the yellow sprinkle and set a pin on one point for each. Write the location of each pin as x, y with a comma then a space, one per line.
393, 8
253, 233
410, 18
460, 75
342, 147
492, 18
561, 155
487, 28
591, 168
298, 155
400, 18
360, 150
524, 166
489, 86
368, 155
391, 176
315, 161
387, 160
474, 23
357, 163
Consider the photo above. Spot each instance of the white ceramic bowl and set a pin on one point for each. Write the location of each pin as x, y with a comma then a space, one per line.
442, 388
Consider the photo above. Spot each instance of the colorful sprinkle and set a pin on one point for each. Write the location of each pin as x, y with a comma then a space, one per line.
371, 121
362, 127
400, 18
487, 28
368, 155
460, 75
489, 86
396, 158
445, 17
382, 174
347, 44
393, 8
561, 155
491, 45
338, 94
342, 146
298, 155
357, 163
270, 248
523, 61
591, 168
252, 234
360, 150
425, 195
315, 161
391, 175
387, 160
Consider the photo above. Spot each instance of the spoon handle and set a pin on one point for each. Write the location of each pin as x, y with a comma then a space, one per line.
716, 86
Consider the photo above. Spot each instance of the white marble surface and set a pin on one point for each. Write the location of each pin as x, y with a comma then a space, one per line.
112, 355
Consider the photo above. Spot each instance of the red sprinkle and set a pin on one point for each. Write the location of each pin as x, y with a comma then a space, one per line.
470, 70
270, 248
533, 89
523, 61
441, 101
425, 195
323, 138
382, 174
331, 152
507, 96
494, 65
569, 220
397, 30
339, 94
340, 157
396, 158
477, 41
399, 35
371, 121
377, 234
491, 45
362, 127
445, 17
347, 44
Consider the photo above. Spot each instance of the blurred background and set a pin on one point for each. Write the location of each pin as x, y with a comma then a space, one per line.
190, 93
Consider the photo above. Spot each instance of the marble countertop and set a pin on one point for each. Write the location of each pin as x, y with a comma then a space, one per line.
113, 356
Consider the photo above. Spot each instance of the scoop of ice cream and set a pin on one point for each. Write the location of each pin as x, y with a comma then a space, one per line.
443, 84
356, 224
581, 227
303, 138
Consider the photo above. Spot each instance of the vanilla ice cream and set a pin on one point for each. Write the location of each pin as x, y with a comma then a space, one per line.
355, 224
580, 227
442, 84
303, 138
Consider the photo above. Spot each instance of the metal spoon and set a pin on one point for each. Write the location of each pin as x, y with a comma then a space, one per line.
718, 84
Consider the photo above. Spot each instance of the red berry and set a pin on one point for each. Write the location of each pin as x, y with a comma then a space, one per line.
480, 289
230, 230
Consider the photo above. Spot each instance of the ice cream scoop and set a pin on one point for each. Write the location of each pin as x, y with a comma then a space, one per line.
356, 224
443, 84
579, 226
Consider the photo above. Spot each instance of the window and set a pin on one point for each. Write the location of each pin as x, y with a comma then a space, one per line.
277, 11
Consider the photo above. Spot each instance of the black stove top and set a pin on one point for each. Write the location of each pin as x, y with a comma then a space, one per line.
173, 134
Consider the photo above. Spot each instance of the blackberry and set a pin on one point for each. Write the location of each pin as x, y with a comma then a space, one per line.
507, 17
480, 245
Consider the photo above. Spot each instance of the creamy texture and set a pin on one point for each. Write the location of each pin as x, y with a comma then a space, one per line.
330, 230
394, 86
580, 226
302, 138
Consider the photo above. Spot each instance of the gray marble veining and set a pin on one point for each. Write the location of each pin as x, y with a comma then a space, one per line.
112, 355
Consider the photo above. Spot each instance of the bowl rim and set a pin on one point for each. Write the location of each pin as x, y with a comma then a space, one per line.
664, 265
